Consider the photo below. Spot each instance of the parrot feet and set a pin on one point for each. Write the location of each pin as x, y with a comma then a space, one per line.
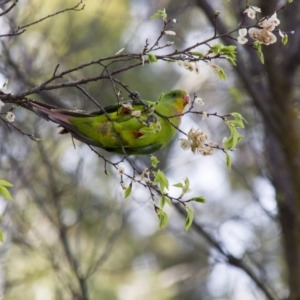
151, 119
135, 96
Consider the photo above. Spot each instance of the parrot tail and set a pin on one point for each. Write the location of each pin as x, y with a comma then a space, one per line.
61, 117
51, 113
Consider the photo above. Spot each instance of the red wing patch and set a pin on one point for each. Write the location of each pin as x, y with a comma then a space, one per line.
138, 134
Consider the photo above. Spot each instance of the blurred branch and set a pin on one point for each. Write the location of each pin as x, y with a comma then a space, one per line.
230, 259
8, 124
74, 8
101, 259
62, 230
21, 29
9, 8
144, 58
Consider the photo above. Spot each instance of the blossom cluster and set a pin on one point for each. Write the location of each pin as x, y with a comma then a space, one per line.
191, 66
10, 117
264, 33
196, 141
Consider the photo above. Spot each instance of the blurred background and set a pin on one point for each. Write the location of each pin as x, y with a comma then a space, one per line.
69, 233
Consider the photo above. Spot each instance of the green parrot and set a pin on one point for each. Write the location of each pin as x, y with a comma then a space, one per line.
133, 127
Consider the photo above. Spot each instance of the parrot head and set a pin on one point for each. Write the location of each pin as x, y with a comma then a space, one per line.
177, 98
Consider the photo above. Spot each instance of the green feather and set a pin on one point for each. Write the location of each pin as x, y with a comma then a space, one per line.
137, 128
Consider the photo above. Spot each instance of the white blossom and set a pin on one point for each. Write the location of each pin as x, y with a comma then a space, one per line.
281, 33
243, 31
123, 185
121, 50
197, 70
196, 141
242, 40
185, 144
204, 115
180, 63
269, 23
136, 113
121, 170
199, 101
170, 32
127, 106
251, 11
264, 36
207, 150
242, 36
169, 43
10, 117
213, 145
143, 60
257, 9
214, 68
145, 175
191, 66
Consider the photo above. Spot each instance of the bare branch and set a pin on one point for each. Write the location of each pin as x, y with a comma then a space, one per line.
230, 258
74, 8
9, 8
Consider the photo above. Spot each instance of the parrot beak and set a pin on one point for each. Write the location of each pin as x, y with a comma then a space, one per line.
186, 99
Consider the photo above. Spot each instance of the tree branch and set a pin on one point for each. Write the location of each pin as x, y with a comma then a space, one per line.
230, 259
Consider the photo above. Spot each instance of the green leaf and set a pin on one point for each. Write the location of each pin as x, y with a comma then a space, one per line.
216, 49
5, 193
162, 216
163, 200
5, 183
152, 58
230, 53
186, 185
128, 191
154, 161
189, 218
168, 200
229, 49
234, 138
237, 95
231, 60
285, 39
199, 54
228, 160
179, 185
160, 14
238, 121
1, 236
259, 52
161, 179
221, 74
198, 199
290, 1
